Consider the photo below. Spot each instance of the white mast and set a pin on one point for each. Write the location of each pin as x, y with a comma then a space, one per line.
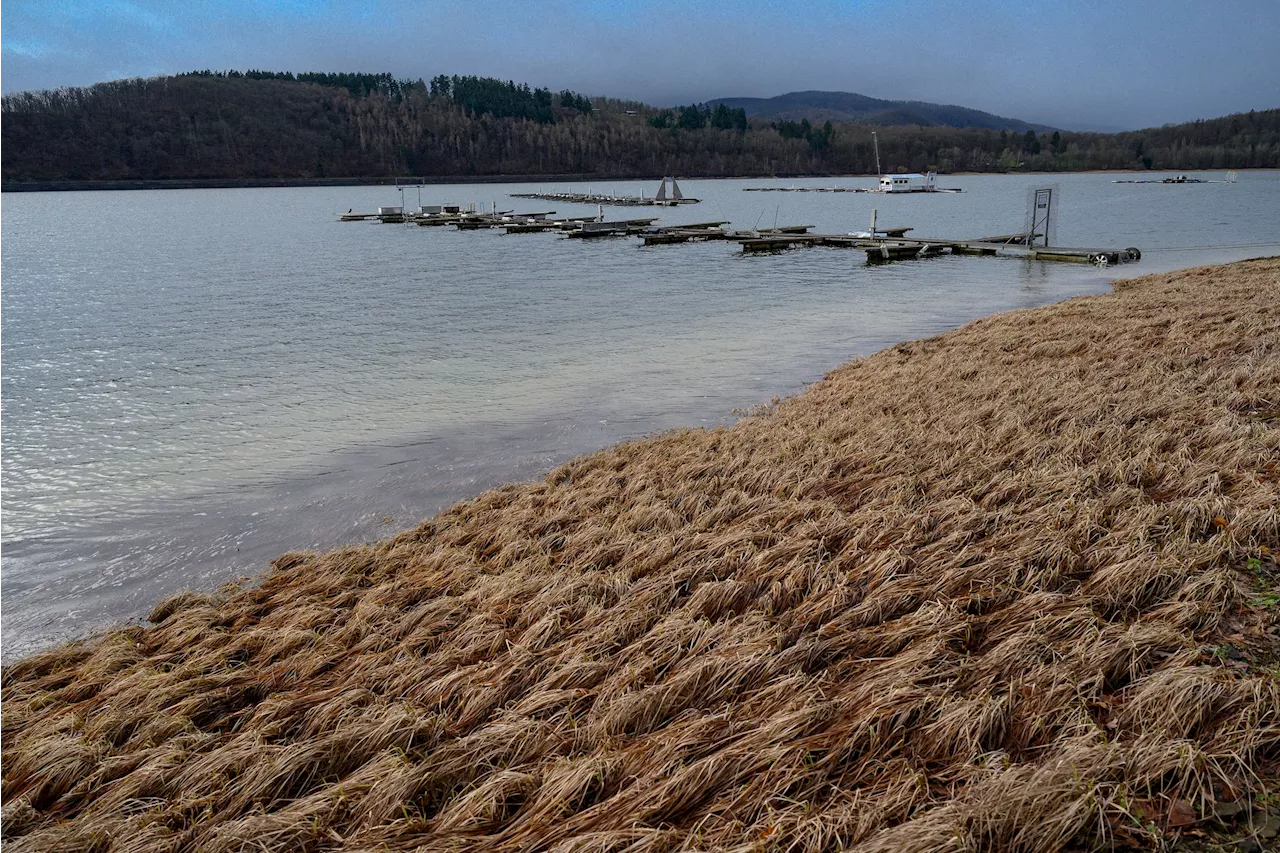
876, 140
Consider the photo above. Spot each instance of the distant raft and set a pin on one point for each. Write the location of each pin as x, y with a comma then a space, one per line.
661, 199
1179, 179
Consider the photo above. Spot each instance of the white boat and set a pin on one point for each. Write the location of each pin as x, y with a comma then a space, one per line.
914, 183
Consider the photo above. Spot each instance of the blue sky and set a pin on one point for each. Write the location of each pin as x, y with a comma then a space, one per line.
1097, 65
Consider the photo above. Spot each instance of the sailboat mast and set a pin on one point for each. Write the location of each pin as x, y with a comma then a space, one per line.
876, 140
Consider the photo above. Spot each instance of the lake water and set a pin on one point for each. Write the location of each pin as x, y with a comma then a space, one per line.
195, 381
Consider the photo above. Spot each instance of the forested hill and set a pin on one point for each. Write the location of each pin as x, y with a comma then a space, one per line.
261, 126
850, 107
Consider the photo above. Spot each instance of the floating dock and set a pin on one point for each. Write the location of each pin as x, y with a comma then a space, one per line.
1180, 179
907, 184
535, 226
807, 190
872, 190
691, 232
661, 199
897, 250
617, 228
710, 231
766, 241
478, 221
889, 245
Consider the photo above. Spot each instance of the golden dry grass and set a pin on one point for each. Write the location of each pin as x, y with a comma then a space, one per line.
1008, 588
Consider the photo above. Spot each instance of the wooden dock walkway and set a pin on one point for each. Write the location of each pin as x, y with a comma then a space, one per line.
807, 190
888, 250
766, 241
614, 200
659, 199
889, 245
536, 226
478, 221
711, 231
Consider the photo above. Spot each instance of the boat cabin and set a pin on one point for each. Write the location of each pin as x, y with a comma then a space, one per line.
915, 183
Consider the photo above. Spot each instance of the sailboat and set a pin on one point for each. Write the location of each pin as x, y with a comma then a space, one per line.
676, 198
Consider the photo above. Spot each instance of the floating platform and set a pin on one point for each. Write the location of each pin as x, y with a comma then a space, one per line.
879, 190
710, 231
691, 232
438, 219
535, 226
887, 250
764, 242
661, 199
779, 241
1179, 179
478, 221
889, 245
806, 190
873, 190
614, 200
618, 228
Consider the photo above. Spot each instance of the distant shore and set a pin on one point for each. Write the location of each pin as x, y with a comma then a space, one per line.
1012, 586
244, 183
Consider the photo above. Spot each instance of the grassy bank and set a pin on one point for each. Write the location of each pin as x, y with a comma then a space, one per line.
1009, 588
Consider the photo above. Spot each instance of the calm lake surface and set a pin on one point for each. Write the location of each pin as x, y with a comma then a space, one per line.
195, 381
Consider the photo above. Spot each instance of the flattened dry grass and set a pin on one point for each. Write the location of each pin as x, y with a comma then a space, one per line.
1008, 588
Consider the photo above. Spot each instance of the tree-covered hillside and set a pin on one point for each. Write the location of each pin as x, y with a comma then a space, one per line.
850, 107
267, 125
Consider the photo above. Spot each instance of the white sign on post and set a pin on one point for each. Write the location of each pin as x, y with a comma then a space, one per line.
1041, 215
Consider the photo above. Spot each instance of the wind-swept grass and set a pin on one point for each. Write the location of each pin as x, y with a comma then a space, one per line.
1008, 588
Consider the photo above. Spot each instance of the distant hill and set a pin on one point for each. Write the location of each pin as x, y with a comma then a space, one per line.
853, 108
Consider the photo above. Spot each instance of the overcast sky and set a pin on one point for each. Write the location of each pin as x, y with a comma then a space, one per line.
1088, 65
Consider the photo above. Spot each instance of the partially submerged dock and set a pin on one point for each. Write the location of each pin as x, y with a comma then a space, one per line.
617, 228
534, 226
660, 199
501, 219
890, 245
1015, 246
807, 189
780, 241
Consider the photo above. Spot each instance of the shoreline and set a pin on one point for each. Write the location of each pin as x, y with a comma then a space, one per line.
248, 183
1027, 537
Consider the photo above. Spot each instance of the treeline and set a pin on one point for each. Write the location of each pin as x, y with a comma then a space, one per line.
487, 96
480, 95
359, 85
698, 116
818, 138
259, 125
